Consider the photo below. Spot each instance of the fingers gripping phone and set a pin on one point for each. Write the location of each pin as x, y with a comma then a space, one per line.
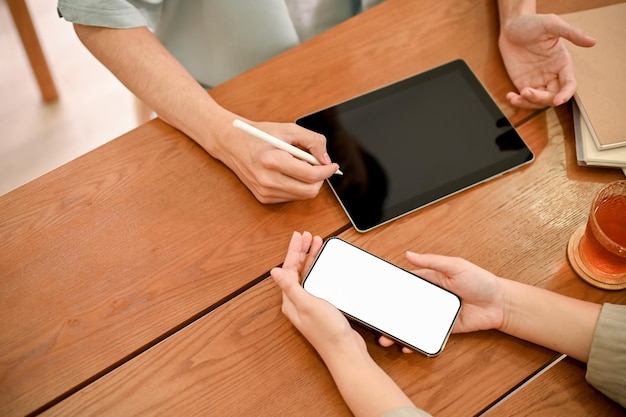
383, 296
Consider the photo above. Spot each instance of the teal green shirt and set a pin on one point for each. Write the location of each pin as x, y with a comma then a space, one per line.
216, 40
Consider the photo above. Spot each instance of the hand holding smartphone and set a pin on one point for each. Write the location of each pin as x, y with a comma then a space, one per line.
383, 296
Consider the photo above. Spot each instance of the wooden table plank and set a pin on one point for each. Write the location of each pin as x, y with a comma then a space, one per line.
561, 390
244, 357
517, 225
112, 252
565, 6
122, 247
243, 343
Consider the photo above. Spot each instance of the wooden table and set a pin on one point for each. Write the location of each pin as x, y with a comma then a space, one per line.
135, 278
560, 390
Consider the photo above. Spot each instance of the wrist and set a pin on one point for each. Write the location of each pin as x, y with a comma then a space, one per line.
554, 321
351, 349
510, 9
508, 304
214, 131
344, 363
365, 387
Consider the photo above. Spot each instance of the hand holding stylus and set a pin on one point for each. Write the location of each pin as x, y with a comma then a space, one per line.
277, 143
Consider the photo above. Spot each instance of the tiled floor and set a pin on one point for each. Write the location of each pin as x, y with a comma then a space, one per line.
93, 107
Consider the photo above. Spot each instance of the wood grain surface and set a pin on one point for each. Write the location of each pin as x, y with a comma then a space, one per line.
562, 390
512, 225
108, 254
134, 278
245, 358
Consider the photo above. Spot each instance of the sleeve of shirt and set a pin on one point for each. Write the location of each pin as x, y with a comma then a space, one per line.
406, 412
366, 4
117, 14
606, 368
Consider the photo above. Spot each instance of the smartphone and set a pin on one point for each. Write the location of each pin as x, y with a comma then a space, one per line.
383, 296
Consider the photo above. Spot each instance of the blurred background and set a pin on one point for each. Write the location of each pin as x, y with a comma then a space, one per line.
92, 109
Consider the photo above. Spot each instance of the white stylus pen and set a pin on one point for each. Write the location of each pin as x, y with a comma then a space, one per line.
277, 143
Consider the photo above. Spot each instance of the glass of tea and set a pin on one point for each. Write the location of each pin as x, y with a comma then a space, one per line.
597, 250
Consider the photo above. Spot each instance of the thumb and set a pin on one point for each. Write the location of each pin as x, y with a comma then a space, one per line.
559, 27
281, 278
290, 285
312, 141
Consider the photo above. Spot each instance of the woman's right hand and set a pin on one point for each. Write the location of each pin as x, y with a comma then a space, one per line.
481, 292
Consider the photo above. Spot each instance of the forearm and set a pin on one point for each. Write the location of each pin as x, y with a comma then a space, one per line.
364, 386
508, 9
549, 319
148, 70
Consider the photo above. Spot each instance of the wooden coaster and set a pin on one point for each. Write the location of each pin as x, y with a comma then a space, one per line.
577, 264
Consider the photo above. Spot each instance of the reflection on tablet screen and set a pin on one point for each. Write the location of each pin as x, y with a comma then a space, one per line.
414, 142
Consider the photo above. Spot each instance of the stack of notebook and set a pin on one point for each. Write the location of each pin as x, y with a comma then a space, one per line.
599, 105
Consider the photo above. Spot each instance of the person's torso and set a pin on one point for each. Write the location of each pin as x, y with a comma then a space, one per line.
219, 39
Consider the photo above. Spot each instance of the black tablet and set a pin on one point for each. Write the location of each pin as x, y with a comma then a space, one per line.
414, 142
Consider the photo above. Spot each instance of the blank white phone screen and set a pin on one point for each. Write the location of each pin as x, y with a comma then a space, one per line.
383, 296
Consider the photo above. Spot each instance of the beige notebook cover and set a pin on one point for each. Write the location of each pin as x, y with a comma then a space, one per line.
587, 153
601, 73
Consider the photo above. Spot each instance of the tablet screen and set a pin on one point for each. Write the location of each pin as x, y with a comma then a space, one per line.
415, 142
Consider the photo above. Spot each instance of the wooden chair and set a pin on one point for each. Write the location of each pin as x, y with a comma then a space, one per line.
28, 35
